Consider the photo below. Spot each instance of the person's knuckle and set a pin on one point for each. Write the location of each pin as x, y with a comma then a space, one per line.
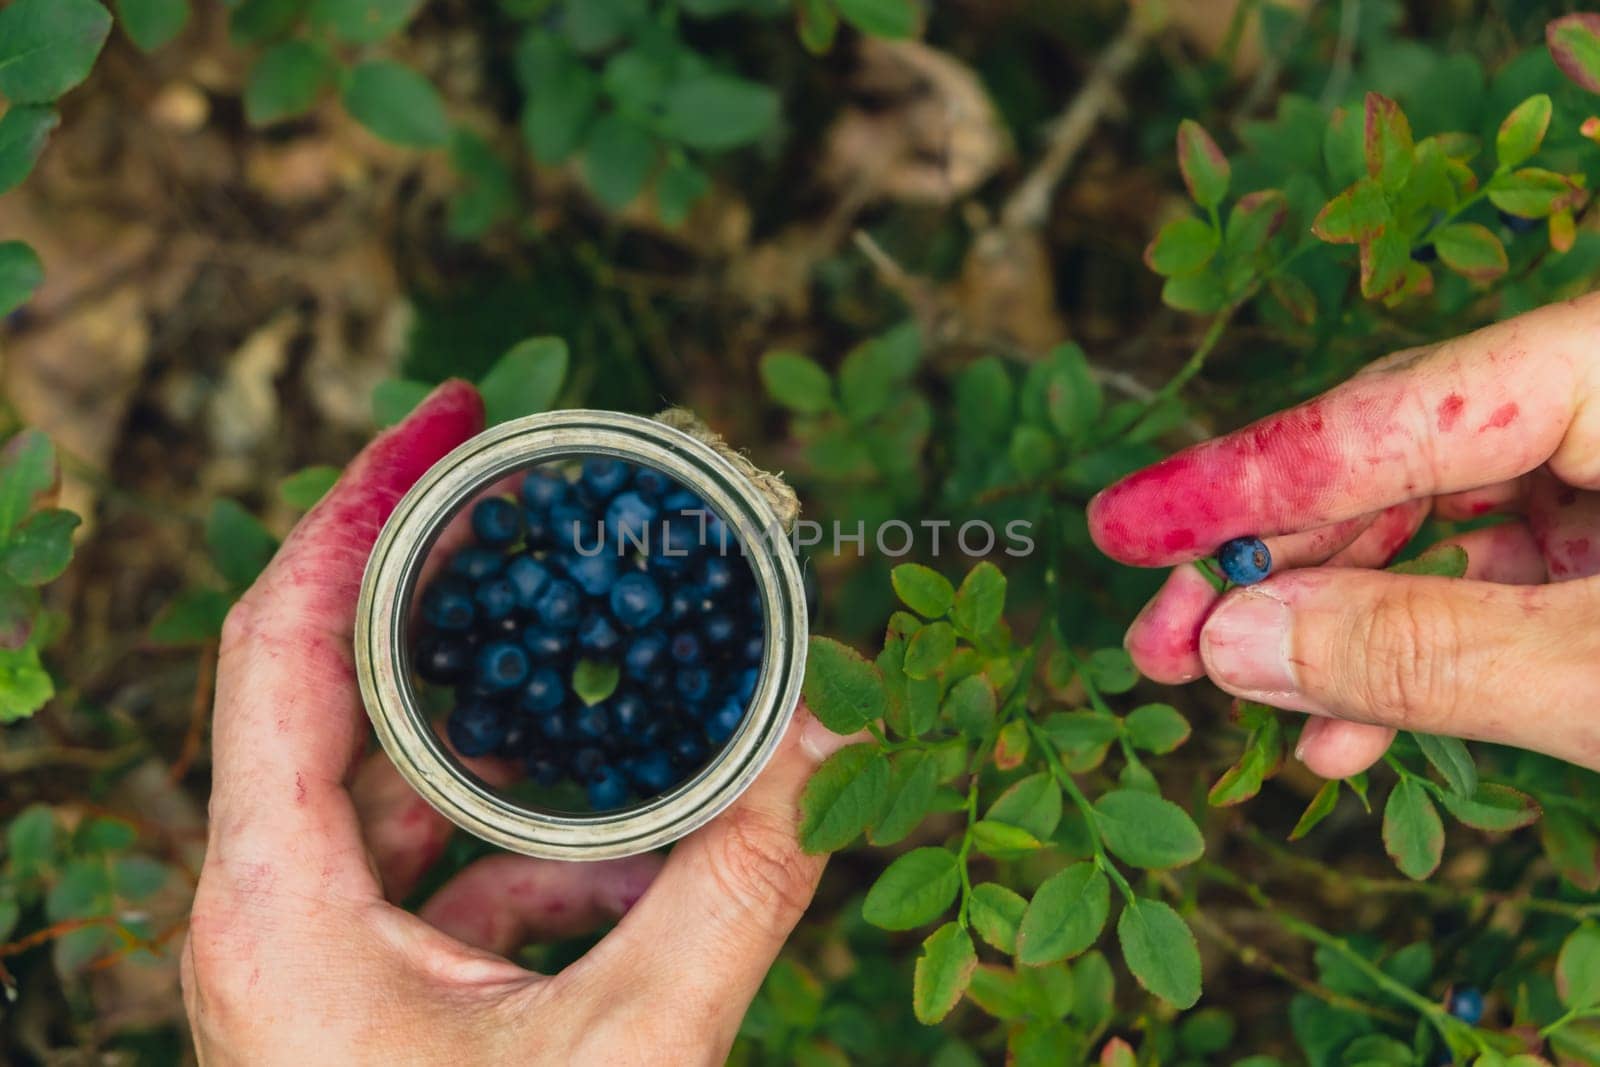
760, 866
240, 624
1406, 652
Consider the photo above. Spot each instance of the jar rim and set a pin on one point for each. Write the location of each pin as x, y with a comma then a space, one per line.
391, 577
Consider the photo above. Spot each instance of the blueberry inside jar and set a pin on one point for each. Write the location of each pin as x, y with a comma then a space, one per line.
593, 632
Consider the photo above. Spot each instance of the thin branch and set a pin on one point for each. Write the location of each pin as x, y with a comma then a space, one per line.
199, 707
1029, 205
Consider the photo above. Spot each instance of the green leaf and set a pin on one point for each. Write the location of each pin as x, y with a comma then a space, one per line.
1082, 738
928, 651
1412, 833
525, 380
843, 798
31, 842
1523, 131
562, 94
1065, 916
1160, 951
1033, 803
999, 991
1182, 246
1254, 220
1205, 169
397, 104
1534, 193
595, 25
1206, 1032
922, 704
797, 383
1574, 42
619, 155
152, 23
194, 617
41, 547
1386, 142
395, 398
239, 545
715, 112
942, 973
996, 912
20, 274
1072, 395
923, 589
594, 680
970, 705
27, 472
1571, 847
1111, 670
19, 610
1147, 830
1261, 758
23, 133
1157, 728
678, 189
873, 374
25, 686
1578, 968
1199, 293
1493, 807
1321, 806
1440, 561
305, 487
1451, 759
1385, 261
48, 47
1354, 216
364, 21
880, 18
286, 81
818, 24
82, 891
1000, 840
912, 783
254, 21
1470, 250
979, 602
843, 690
136, 878
916, 889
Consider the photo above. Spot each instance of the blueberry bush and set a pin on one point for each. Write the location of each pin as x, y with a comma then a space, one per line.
938, 263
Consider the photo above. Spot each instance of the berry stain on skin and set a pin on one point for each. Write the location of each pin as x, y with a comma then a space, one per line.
1450, 412
1503, 416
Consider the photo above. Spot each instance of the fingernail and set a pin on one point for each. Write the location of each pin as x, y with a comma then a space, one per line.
1245, 645
819, 742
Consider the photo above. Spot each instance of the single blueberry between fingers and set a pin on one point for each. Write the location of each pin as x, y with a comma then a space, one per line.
1245, 560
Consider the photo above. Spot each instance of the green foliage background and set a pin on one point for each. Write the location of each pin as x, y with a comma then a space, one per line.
1073, 237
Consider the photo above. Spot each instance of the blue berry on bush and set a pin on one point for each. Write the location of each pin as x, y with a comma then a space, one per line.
496, 522
636, 600
1466, 1004
476, 728
1245, 560
502, 665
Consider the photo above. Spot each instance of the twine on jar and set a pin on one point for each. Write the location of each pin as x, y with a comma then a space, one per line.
785, 504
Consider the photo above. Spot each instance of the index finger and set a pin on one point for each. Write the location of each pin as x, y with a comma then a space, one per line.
1483, 408
288, 723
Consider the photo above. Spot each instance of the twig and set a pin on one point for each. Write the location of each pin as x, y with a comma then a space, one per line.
27, 759
1029, 205
205, 676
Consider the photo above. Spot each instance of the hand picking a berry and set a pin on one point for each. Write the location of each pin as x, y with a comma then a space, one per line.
1505, 421
297, 951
